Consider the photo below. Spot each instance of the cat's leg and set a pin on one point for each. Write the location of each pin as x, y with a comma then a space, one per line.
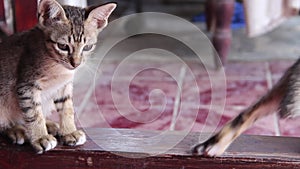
52, 127
284, 97
29, 97
219, 142
64, 105
16, 134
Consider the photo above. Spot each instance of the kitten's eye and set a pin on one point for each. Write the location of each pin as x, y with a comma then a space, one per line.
88, 47
63, 47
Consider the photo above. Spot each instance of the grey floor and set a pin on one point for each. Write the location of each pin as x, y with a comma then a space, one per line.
281, 43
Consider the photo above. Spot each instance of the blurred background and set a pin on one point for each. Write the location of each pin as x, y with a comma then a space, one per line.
252, 43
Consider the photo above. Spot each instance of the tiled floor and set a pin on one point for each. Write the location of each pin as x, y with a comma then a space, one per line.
149, 99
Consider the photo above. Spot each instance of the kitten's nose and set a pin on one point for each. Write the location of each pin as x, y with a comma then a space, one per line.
75, 62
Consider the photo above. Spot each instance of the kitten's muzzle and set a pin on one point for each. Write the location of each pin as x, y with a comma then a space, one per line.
75, 62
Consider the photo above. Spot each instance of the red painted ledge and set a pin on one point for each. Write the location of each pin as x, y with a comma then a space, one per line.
124, 148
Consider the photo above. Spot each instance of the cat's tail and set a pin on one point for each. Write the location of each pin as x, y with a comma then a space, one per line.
273, 101
290, 103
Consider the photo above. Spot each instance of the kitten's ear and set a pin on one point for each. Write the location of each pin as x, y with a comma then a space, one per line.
97, 17
49, 12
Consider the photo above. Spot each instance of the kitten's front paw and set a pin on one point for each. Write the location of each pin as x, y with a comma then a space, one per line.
209, 148
203, 149
44, 143
74, 139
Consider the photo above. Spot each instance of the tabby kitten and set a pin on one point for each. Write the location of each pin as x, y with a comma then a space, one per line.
37, 69
283, 98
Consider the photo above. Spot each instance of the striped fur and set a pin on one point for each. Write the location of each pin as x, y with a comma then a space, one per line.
283, 98
37, 69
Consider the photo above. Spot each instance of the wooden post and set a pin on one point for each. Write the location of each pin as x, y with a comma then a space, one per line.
222, 35
209, 14
25, 14
2, 12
